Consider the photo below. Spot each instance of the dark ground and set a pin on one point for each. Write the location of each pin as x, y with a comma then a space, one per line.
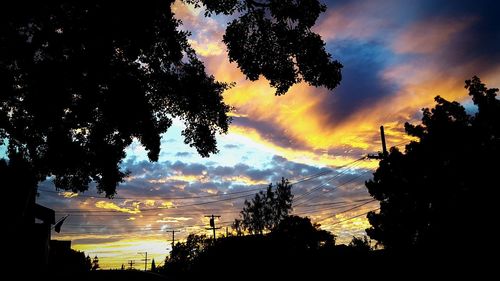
108, 275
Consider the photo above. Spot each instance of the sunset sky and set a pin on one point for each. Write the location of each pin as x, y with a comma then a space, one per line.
397, 56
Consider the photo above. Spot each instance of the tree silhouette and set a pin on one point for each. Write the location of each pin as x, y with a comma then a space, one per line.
299, 233
183, 254
434, 196
238, 227
88, 263
95, 263
267, 209
273, 38
295, 243
153, 266
80, 80
360, 244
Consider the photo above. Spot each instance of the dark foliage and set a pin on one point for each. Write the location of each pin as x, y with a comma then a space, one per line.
361, 244
295, 242
266, 210
273, 38
438, 196
80, 80
184, 254
299, 234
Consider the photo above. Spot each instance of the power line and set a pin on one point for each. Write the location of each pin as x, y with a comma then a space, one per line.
158, 197
307, 178
334, 188
185, 205
331, 179
156, 208
143, 229
337, 204
180, 213
351, 218
325, 207
348, 210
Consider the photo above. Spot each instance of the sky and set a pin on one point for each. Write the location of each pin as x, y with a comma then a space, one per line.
397, 56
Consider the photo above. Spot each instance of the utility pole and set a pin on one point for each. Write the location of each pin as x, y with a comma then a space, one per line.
384, 147
212, 224
173, 235
131, 264
145, 260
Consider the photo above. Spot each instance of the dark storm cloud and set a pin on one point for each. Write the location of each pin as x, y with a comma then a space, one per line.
267, 130
364, 42
361, 82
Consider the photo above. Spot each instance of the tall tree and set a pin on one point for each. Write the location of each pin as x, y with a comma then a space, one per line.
95, 263
88, 263
80, 80
153, 266
436, 194
267, 209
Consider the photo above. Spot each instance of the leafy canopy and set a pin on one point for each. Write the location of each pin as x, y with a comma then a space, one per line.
80, 80
438, 195
273, 38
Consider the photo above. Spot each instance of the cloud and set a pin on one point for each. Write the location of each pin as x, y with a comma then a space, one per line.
429, 36
354, 20
231, 146
68, 194
206, 33
112, 206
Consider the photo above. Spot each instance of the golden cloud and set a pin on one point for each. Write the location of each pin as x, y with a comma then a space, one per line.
68, 194
112, 206
173, 219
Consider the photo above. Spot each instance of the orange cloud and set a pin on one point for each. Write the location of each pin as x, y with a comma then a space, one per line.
429, 36
354, 20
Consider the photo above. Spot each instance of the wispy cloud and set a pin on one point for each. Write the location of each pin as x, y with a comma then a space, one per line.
112, 206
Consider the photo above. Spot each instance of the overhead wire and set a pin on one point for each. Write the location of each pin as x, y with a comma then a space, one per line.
303, 179
353, 163
348, 210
